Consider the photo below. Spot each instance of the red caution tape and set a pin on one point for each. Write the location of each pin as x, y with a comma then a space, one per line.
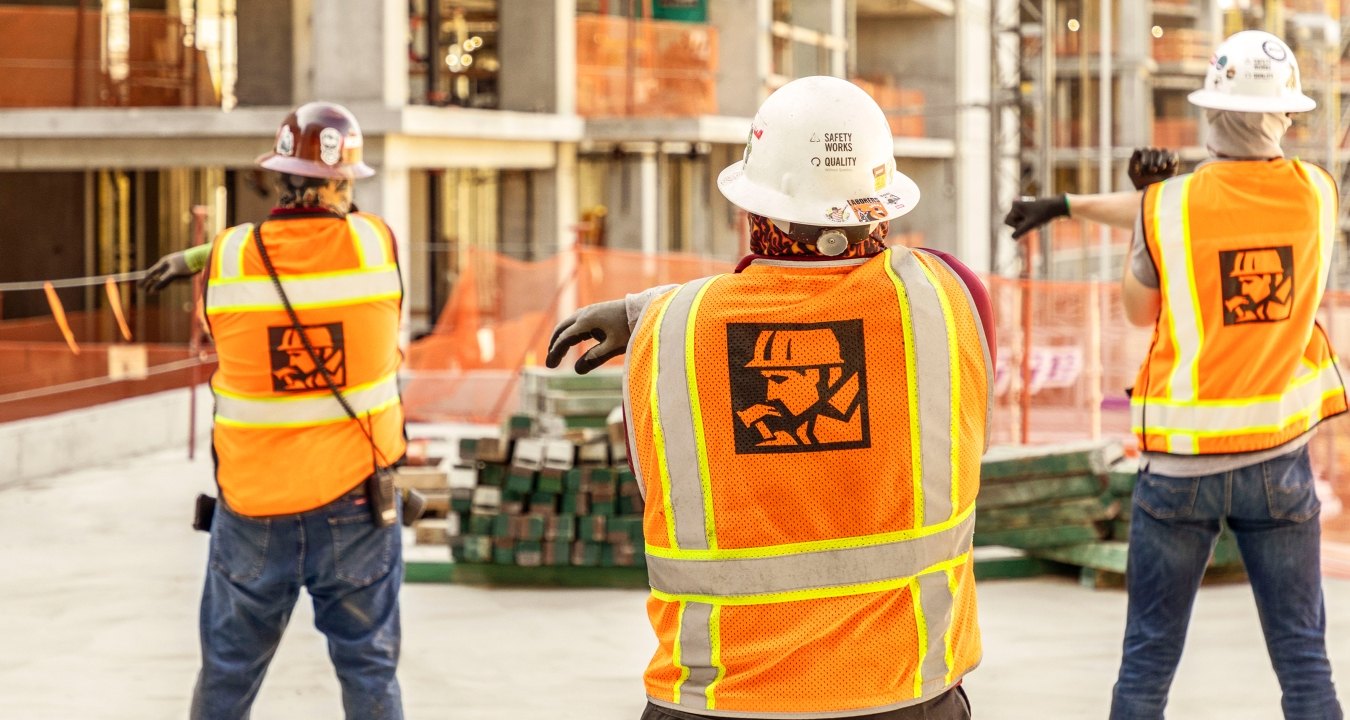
115, 300
59, 312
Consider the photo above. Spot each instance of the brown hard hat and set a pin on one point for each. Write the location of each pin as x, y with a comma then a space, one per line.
796, 348
318, 140
1257, 262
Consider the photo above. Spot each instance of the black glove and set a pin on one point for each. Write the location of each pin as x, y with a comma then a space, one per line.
1027, 215
605, 322
167, 269
1149, 165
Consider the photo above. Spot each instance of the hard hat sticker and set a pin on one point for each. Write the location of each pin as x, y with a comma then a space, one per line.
285, 141
330, 146
868, 209
293, 368
1275, 50
1258, 284
798, 387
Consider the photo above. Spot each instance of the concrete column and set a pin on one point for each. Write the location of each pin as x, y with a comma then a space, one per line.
1134, 111
648, 202
973, 147
265, 70
743, 52
826, 16
538, 44
359, 51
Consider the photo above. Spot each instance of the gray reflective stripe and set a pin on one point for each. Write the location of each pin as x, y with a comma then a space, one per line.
932, 358
696, 653
677, 421
935, 597
628, 391
369, 245
1326, 236
231, 251
1171, 214
315, 409
1303, 399
984, 345
303, 290
809, 570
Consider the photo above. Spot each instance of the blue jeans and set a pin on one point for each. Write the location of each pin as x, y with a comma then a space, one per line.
351, 569
1272, 510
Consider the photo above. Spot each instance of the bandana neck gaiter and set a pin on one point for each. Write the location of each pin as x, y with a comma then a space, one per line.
766, 239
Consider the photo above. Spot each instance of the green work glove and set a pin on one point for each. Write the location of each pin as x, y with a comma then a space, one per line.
1149, 165
605, 322
1027, 215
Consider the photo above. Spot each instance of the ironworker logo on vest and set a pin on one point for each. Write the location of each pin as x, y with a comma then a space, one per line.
798, 387
1258, 284
293, 368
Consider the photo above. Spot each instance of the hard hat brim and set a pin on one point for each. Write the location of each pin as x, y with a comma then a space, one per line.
751, 197
1212, 100
309, 168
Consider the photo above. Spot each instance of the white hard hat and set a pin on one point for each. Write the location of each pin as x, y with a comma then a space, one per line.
1253, 71
820, 153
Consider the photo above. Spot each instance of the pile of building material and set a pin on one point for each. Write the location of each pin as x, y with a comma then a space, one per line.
1069, 504
578, 400
535, 501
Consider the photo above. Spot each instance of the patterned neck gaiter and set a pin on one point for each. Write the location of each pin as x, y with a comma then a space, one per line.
766, 239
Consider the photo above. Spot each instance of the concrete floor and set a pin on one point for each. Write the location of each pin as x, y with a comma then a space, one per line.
101, 578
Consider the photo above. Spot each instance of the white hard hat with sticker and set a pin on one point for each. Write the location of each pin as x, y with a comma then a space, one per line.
1253, 71
820, 153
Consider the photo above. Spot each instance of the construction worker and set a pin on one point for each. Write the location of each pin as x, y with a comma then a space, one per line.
1229, 264
293, 466
807, 432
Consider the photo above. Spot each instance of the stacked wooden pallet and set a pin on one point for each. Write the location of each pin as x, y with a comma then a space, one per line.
579, 400
547, 502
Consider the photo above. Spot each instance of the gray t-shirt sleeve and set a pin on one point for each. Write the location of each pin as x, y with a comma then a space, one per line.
1141, 263
635, 303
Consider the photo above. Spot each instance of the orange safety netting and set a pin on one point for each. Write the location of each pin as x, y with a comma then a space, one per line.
500, 317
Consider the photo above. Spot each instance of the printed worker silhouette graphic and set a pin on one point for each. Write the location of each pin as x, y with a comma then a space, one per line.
1265, 288
808, 399
297, 370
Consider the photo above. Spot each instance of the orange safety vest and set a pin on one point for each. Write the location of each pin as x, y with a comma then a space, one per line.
808, 439
1238, 362
283, 443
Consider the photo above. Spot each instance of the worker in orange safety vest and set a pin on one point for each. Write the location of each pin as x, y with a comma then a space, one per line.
304, 309
1228, 265
807, 433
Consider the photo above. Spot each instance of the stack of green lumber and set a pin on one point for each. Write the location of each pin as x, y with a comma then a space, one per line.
1043, 497
579, 400
547, 502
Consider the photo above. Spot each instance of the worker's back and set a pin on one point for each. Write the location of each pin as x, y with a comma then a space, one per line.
1243, 251
808, 435
283, 443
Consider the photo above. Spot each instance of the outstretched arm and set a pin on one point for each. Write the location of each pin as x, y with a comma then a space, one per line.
176, 266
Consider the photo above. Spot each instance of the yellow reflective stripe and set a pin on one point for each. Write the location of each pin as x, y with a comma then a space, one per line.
921, 626
230, 255
911, 383
658, 435
304, 291
1325, 191
315, 407
950, 655
696, 411
330, 274
676, 651
812, 545
1172, 226
954, 356
715, 637
813, 593
1311, 413
368, 241
1328, 366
